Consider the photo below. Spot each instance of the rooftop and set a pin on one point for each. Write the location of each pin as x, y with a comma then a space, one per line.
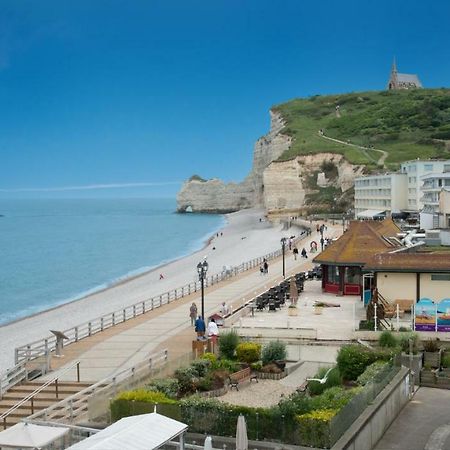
360, 242
409, 262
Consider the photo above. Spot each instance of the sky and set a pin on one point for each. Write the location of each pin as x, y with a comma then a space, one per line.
130, 98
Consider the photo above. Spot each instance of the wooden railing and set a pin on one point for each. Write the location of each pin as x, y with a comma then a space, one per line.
30, 397
41, 347
75, 408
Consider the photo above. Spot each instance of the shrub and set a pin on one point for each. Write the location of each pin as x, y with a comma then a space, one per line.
274, 351
367, 325
430, 346
333, 379
353, 359
200, 367
168, 386
211, 357
227, 364
228, 343
446, 361
314, 428
271, 368
186, 377
142, 395
205, 384
371, 372
335, 397
256, 366
387, 339
404, 342
248, 352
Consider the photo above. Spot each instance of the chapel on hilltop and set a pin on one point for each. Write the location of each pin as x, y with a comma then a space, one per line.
402, 80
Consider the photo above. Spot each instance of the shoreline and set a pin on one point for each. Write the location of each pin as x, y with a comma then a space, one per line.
244, 238
84, 295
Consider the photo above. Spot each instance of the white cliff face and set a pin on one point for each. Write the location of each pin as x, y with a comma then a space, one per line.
285, 185
276, 185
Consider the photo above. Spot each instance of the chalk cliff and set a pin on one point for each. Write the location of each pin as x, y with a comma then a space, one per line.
276, 185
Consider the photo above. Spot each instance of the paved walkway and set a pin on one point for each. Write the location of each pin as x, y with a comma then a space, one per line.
169, 326
424, 423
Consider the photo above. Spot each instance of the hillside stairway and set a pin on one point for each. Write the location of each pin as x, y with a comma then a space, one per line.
48, 396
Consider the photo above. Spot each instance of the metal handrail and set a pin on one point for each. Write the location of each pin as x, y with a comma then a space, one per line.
106, 383
40, 347
31, 396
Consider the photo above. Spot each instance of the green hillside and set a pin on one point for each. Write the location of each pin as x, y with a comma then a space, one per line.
405, 124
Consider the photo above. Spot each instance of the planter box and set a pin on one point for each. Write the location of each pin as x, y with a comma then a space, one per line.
270, 376
445, 372
428, 377
432, 358
214, 393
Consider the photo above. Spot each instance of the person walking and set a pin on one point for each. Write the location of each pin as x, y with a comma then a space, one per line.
295, 252
200, 328
193, 313
266, 267
304, 254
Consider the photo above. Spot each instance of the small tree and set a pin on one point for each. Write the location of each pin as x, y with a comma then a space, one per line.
274, 351
228, 343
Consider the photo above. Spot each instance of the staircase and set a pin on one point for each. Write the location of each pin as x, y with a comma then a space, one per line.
48, 396
383, 323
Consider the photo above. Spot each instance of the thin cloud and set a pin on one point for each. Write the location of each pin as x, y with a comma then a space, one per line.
89, 187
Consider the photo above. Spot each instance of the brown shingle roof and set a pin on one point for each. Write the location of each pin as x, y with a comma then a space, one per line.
360, 242
409, 262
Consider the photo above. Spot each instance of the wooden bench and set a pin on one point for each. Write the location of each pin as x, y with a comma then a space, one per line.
240, 376
404, 304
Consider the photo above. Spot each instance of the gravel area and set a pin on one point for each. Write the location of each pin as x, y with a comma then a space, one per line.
262, 394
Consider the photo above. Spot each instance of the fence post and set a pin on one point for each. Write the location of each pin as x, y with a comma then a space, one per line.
152, 304
182, 292
134, 310
89, 328
189, 288
101, 323
56, 388
113, 318
143, 307
16, 356
375, 316
78, 371
124, 314
76, 334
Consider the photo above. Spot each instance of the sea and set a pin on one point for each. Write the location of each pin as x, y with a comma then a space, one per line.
53, 251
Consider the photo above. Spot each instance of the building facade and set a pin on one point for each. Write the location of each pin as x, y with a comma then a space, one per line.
415, 170
436, 201
387, 192
402, 80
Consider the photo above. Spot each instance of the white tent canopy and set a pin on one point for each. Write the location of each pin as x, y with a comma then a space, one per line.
370, 214
28, 435
143, 432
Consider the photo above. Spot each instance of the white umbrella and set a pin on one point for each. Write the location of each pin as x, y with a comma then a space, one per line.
28, 435
241, 434
208, 443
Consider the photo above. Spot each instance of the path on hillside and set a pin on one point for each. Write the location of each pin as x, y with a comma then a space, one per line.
380, 161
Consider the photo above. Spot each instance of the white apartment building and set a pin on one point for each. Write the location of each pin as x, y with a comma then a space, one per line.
415, 170
378, 193
435, 199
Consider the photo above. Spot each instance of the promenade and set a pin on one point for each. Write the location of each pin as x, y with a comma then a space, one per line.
168, 327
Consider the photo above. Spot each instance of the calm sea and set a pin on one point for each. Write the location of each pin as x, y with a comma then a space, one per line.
53, 251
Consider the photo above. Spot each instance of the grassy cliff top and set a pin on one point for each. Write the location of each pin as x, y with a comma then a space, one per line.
404, 124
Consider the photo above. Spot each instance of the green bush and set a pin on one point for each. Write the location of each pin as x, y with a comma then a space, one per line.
211, 357
314, 428
200, 367
335, 397
371, 372
205, 384
367, 325
227, 364
404, 342
274, 351
387, 339
228, 343
431, 346
333, 379
353, 359
187, 378
248, 352
256, 366
168, 386
446, 361
142, 395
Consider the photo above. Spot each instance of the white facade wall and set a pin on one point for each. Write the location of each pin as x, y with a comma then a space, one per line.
387, 192
415, 170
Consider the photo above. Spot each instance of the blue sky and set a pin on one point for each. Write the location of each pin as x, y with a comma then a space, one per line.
124, 92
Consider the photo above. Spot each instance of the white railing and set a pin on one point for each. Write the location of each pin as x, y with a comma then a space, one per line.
41, 347
96, 397
30, 397
9, 378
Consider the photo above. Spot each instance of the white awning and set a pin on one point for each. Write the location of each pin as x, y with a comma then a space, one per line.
143, 432
28, 435
370, 214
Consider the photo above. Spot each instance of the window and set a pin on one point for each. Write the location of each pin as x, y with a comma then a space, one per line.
352, 275
428, 167
446, 168
440, 277
447, 182
333, 274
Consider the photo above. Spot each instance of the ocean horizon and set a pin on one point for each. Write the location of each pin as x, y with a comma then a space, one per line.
54, 251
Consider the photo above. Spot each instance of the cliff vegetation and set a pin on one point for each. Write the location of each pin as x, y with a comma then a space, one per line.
393, 126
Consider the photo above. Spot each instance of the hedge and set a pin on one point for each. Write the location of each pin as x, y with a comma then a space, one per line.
314, 428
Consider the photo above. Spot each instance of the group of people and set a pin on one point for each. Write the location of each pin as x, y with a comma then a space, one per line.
201, 329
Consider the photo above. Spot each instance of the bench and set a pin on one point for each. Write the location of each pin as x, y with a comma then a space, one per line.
240, 376
404, 304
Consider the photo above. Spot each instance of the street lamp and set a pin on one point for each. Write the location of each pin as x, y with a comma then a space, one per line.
283, 245
202, 268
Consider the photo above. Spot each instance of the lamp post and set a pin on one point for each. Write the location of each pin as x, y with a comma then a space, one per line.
343, 223
283, 245
202, 268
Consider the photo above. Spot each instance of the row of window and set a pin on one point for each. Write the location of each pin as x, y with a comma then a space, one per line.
429, 167
373, 182
372, 202
372, 192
